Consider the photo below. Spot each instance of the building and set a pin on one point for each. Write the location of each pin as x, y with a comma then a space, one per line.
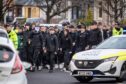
99, 14
81, 10
23, 8
26, 8
29, 9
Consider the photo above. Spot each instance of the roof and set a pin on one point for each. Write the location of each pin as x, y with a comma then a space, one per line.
25, 2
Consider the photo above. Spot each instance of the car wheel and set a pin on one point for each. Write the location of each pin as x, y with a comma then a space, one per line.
123, 74
84, 79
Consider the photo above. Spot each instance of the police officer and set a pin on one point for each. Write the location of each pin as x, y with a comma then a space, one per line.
94, 37
36, 42
66, 47
12, 35
82, 39
51, 47
117, 30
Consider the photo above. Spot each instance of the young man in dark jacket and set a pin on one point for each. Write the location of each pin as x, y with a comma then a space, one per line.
103, 30
36, 42
26, 47
66, 47
94, 37
51, 47
44, 59
73, 35
82, 39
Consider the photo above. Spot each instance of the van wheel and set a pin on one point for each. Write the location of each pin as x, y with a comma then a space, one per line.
123, 74
84, 79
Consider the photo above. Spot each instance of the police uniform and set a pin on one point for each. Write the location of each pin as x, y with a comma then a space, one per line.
14, 38
116, 31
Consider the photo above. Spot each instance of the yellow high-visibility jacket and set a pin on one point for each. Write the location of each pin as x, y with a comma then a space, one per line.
14, 38
116, 32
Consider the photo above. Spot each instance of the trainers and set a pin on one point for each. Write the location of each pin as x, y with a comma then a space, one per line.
56, 66
39, 68
64, 69
61, 65
48, 66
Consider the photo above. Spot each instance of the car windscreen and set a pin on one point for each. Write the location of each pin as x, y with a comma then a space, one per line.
6, 54
113, 43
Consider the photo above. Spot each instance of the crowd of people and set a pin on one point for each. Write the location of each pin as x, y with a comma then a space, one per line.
42, 46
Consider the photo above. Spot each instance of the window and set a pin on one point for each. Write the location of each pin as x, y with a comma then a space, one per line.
74, 12
19, 11
29, 12
89, 6
100, 9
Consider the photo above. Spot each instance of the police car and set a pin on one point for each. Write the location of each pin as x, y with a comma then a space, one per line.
12, 70
107, 60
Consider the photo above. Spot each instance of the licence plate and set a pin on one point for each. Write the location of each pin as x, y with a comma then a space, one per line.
85, 73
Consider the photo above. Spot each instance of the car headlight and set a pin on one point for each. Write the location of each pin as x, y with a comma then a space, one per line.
80, 62
110, 59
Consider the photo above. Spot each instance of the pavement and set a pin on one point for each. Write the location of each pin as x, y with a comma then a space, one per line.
60, 77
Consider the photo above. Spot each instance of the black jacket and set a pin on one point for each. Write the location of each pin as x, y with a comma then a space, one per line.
94, 37
105, 34
44, 34
82, 39
59, 38
26, 35
36, 39
66, 42
73, 36
51, 43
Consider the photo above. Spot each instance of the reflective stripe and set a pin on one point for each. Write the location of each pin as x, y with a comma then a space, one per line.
121, 55
122, 58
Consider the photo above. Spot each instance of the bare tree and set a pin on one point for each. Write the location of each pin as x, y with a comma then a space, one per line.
53, 7
5, 5
114, 8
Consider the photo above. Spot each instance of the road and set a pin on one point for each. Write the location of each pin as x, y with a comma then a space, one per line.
58, 77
